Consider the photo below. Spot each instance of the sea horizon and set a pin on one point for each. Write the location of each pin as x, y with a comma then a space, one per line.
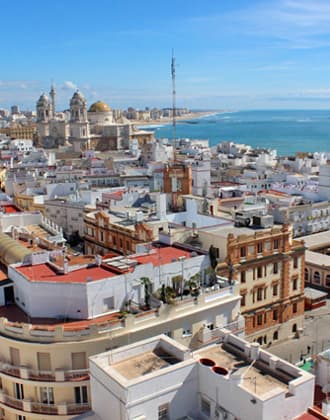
287, 131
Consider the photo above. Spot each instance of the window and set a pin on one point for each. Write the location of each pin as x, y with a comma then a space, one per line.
163, 412
44, 361
259, 247
259, 319
294, 308
80, 394
19, 417
15, 358
19, 391
78, 360
108, 303
295, 284
294, 328
295, 262
275, 289
317, 277
275, 268
205, 407
259, 272
243, 300
259, 293
275, 315
243, 252
306, 275
327, 280
276, 244
275, 336
47, 395
242, 276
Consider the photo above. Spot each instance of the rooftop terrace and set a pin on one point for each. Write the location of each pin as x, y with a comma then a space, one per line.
145, 363
47, 273
254, 379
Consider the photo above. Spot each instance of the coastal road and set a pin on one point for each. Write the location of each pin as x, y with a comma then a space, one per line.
314, 339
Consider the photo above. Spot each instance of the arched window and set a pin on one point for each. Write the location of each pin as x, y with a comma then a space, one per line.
275, 336
306, 275
316, 277
260, 340
294, 328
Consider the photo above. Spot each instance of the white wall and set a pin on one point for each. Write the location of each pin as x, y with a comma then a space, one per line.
46, 299
19, 219
86, 300
191, 216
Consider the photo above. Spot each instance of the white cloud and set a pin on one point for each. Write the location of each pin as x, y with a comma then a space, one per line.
69, 85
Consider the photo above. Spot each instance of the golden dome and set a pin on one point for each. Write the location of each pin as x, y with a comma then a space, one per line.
99, 106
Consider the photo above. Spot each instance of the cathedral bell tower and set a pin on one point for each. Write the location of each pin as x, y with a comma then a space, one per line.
52, 95
43, 116
79, 125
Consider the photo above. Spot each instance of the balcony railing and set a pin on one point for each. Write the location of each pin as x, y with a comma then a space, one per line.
44, 375
28, 406
77, 408
11, 402
42, 408
76, 375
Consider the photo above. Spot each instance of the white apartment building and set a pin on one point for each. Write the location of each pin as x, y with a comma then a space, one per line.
233, 379
61, 318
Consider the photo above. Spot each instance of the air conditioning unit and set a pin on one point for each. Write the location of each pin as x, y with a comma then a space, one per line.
264, 221
242, 220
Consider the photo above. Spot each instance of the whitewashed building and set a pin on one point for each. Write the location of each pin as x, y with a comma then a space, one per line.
161, 379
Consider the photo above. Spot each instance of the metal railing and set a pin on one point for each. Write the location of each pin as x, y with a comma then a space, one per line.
44, 375
78, 408
76, 375
13, 402
43, 408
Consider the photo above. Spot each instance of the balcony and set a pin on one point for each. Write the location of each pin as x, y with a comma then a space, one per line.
44, 376
28, 406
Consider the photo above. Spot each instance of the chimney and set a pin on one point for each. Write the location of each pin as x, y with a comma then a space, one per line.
65, 266
255, 350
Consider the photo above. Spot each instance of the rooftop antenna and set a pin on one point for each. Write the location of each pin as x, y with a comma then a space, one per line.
173, 104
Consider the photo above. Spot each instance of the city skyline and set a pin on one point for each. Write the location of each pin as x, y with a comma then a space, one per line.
247, 55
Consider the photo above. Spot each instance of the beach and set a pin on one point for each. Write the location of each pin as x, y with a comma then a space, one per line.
169, 120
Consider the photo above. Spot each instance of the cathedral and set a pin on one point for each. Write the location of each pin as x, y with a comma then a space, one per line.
94, 128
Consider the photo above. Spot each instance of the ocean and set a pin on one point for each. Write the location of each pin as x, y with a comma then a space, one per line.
286, 131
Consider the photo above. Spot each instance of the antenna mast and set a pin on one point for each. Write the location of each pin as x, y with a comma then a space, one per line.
173, 105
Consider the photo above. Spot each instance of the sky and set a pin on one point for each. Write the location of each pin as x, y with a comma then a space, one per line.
241, 54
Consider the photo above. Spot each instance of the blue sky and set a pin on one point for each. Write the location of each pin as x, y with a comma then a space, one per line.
230, 54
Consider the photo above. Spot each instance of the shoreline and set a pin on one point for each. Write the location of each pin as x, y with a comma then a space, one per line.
169, 120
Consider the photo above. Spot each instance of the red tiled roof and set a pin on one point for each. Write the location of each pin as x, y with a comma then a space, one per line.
312, 414
44, 273
163, 255
307, 416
